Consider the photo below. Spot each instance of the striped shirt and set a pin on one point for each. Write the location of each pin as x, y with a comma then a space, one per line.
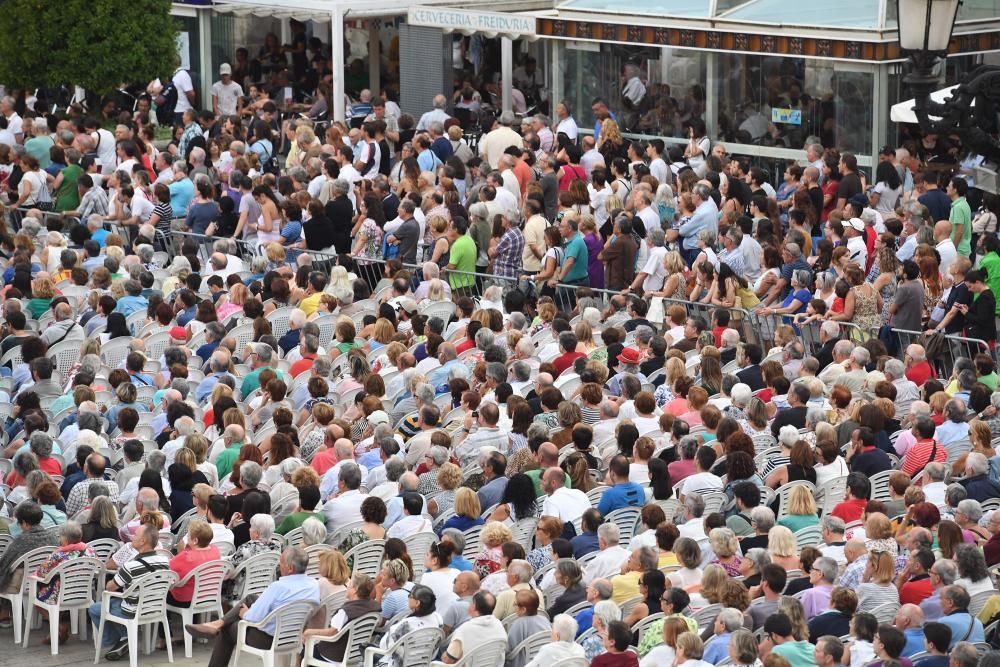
139, 566
872, 595
920, 454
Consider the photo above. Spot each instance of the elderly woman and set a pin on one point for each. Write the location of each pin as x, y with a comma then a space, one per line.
262, 540
71, 546
798, 297
568, 575
421, 604
782, 548
198, 550
492, 538
724, 545
689, 556
126, 396
752, 564
973, 574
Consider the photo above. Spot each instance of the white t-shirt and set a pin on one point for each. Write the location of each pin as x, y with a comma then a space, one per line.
7, 138
568, 127
700, 483
567, 504
656, 272
15, 125
141, 207
228, 96
182, 81
105, 147
650, 218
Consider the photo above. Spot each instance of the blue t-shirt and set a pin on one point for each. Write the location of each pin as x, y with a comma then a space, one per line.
181, 194
201, 215
802, 295
628, 494
291, 231
460, 564
577, 249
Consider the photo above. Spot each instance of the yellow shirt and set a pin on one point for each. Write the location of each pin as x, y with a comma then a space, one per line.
625, 587
309, 304
667, 559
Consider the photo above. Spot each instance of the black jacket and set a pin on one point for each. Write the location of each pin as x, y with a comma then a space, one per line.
795, 416
390, 206
980, 488
829, 623
752, 377
319, 232
340, 211
572, 596
981, 320
824, 355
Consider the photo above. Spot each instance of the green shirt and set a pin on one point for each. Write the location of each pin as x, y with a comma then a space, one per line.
796, 522
576, 249
68, 195
798, 654
224, 463
296, 519
38, 307
251, 382
463, 258
989, 380
961, 214
536, 477
990, 263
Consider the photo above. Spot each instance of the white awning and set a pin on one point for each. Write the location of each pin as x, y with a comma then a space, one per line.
305, 10
903, 112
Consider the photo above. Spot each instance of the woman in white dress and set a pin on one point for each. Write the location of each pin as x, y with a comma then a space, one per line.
440, 575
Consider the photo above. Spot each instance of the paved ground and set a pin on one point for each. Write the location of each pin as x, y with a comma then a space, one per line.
76, 653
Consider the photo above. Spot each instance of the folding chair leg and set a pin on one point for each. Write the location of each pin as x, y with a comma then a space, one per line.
97, 641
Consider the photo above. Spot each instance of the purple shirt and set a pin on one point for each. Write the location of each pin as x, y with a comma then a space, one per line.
595, 267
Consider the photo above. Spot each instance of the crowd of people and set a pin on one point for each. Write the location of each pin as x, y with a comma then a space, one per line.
491, 362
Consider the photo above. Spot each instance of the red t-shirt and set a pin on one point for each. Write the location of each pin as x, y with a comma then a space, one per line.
850, 510
465, 345
920, 373
565, 361
186, 561
717, 332
916, 591
303, 364
323, 461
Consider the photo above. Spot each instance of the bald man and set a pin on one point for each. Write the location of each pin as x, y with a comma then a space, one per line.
79, 496
944, 245
909, 620
562, 501
63, 326
547, 457
466, 585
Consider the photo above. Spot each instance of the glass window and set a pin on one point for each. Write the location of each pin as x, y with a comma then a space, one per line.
650, 90
781, 102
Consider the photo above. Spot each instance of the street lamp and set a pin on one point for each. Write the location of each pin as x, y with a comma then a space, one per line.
925, 28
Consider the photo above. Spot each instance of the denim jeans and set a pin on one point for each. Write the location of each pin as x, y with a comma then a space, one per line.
113, 632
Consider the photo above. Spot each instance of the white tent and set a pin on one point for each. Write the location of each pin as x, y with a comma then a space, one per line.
903, 112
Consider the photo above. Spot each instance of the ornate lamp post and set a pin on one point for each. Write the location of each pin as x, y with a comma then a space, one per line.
925, 28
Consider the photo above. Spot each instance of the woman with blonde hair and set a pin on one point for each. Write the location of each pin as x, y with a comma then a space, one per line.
382, 334
801, 510
725, 546
713, 584
981, 438
796, 613
783, 548
42, 293
879, 535
435, 292
877, 588
448, 477
492, 539
585, 342
333, 576
238, 296
467, 510
675, 286
674, 370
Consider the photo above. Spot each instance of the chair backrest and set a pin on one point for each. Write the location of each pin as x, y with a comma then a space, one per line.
471, 542
31, 561
418, 647
489, 654
208, 578
706, 615
293, 538
76, 580
524, 531
642, 624
626, 519
530, 646
289, 622
571, 662
885, 613
419, 543
259, 572
333, 602
367, 557
594, 495
628, 605
880, 485
809, 536
104, 548
314, 553
151, 590
360, 632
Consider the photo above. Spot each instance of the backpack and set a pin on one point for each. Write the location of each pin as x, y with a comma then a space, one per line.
166, 102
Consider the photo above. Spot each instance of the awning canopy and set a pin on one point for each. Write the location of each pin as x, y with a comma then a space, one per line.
903, 111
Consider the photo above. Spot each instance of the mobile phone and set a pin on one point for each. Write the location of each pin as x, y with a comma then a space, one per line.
475, 414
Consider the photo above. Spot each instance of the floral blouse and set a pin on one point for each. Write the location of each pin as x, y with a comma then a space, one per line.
60, 556
246, 551
488, 562
372, 248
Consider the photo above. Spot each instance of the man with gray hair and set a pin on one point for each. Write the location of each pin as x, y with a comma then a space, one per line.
493, 144
943, 573
830, 375
727, 622
345, 505
976, 482
293, 585
611, 556
832, 529
705, 218
520, 377
519, 574
906, 390
431, 271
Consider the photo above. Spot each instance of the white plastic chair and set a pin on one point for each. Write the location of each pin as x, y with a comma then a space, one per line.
810, 536
258, 572
419, 543
471, 542
367, 557
206, 598
18, 600
76, 594
289, 622
529, 647
358, 634
151, 610
314, 553
626, 519
489, 654
417, 648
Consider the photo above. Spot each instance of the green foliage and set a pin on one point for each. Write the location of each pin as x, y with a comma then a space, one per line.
97, 44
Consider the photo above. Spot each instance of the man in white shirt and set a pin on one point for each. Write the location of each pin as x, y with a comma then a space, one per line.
752, 253
702, 481
567, 504
644, 211
14, 123
185, 94
481, 628
412, 522
653, 273
934, 486
693, 526
609, 561
832, 529
436, 114
657, 166
345, 507
854, 230
944, 245
504, 198
227, 95
566, 124
499, 139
